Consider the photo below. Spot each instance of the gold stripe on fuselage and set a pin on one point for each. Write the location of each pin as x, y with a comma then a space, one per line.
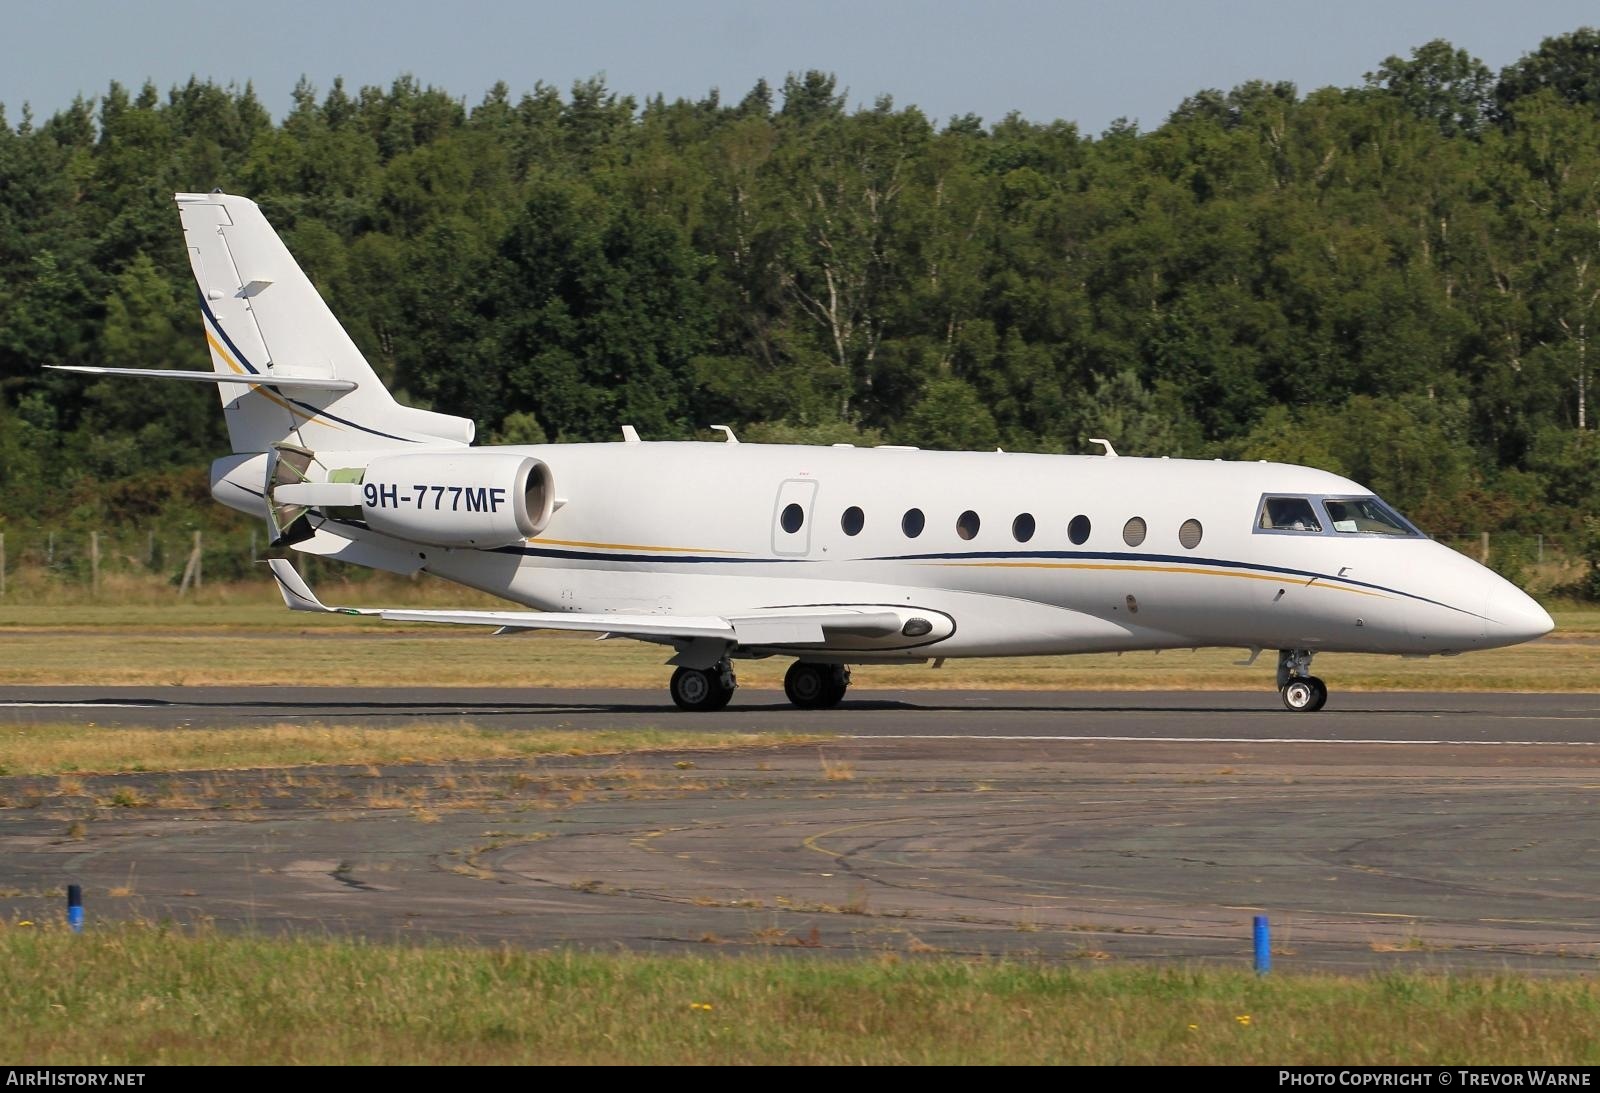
631, 546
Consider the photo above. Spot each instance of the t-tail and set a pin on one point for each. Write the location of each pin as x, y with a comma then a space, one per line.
286, 370
290, 378
263, 317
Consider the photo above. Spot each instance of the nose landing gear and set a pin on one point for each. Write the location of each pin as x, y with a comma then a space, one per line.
1302, 692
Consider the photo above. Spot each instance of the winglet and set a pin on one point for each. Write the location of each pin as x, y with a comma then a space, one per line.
296, 593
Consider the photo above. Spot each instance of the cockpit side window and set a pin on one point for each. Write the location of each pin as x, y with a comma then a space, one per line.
1288, 514
1366, 516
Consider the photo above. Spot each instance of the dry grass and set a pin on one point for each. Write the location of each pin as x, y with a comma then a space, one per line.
137, 996
75, 749
31, 587
837, 770
238, 644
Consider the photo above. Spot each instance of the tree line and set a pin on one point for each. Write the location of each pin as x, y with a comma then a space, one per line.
1398, 281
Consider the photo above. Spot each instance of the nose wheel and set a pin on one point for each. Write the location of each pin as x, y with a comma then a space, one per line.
816, 686
703, 689
1302, 692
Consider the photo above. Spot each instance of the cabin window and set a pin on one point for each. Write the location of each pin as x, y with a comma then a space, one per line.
1133, 532
967, 524
1078, 530
793, 516
1288, 514
1189, 534
912, 523
853, 520
1022, 528
1366, 516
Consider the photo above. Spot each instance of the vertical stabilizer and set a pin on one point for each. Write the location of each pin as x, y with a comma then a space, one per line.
264, 317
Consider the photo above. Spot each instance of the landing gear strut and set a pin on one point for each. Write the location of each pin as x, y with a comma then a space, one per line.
703, 689
816, 686
1302, 692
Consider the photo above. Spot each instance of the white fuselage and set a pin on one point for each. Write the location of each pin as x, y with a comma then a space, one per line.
664, 528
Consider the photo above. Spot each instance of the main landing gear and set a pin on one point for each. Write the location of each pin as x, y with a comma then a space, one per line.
816, 686
1302, 692
704, 689
809, 686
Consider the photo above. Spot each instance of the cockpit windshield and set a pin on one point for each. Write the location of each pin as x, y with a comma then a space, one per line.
1366, 516
1288, 514
1312, 515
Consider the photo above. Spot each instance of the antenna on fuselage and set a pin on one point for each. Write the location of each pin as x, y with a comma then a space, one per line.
726, 431
1110, 452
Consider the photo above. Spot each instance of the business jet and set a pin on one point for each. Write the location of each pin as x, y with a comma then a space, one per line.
835, 556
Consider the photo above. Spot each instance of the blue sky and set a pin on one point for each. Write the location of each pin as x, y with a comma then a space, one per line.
1084, 62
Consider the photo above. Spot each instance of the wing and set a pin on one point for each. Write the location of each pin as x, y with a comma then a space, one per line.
763, 627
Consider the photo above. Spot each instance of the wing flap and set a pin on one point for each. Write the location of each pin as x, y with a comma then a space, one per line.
811, 625
655, 626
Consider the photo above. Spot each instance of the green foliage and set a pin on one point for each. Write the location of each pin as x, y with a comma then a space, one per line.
1568, 64
1591, 555
519, 427
1446, 86
1396, 282
950, 415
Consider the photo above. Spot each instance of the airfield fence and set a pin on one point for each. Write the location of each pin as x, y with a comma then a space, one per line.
185, 559
188, 559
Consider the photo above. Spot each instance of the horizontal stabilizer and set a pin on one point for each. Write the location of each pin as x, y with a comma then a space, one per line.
308, 383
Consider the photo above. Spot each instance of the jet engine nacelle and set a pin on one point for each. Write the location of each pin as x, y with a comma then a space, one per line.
458, 499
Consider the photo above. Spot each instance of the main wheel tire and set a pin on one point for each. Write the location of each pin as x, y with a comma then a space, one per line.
1300, 694
700, 689
809, 686
838, 684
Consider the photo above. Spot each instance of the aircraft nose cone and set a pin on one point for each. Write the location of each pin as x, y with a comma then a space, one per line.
1515, 617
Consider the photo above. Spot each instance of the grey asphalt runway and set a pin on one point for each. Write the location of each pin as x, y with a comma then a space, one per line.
1508, 718
1453, 831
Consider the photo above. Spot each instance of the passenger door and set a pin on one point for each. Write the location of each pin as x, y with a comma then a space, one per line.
791, 517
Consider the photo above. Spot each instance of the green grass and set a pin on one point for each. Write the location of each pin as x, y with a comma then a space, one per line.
256, 643
91, 749
142, 995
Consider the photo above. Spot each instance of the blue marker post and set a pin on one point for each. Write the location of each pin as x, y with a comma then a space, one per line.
1263, 946
75, 907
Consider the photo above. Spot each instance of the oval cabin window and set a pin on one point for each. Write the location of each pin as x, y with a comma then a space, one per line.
1022, 528
1133, 532
1190, 533
967, 524
793, 517
853, 520
1078, 530
912, 523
